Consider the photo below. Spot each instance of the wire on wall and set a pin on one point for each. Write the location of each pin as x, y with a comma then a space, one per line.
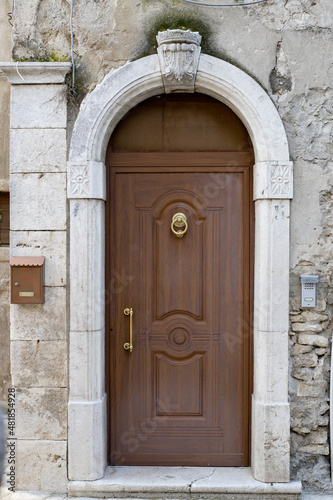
225, 4
72, 46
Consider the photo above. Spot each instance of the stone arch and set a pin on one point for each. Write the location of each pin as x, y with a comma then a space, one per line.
100, 112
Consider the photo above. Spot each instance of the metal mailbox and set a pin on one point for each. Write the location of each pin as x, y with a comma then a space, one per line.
27, 280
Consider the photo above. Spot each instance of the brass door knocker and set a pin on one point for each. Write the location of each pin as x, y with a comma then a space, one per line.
179, 220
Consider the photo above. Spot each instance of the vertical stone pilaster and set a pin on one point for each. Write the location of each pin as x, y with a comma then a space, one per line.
39, 227
270, 407
87, 398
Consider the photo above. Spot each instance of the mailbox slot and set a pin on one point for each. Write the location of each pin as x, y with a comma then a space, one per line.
27, 280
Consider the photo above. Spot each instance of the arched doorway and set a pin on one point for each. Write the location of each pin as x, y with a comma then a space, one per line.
101, 111
180, 395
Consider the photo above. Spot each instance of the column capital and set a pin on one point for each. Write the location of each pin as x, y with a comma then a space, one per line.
35, 73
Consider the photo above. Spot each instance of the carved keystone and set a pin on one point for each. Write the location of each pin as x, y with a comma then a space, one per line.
178, 53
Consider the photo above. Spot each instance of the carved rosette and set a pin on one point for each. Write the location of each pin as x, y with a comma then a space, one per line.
178, 53
281, 185
273, 180
79, 180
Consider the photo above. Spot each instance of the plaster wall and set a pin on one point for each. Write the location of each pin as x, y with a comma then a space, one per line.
287, 48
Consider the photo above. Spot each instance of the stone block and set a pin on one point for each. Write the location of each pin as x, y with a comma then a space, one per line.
87, 368
38, 202
314, 316
4, 323
306, 327
50, 244
39, 363
296, 318
320, 351
312, 389
315, 340
41, 466
302, 349
4, 254
319, 436
315, 449
41, 413
38, 150
41, 321
45, 106
321, 305
270, 442
302, 373
271, 294
271, 375
87, 269
87, 440
4, 272
305, 415
308, 359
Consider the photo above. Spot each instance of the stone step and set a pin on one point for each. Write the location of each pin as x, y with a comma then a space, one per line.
182, 483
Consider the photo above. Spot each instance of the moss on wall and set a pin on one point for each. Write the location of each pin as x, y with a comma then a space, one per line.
52, 57
177, 19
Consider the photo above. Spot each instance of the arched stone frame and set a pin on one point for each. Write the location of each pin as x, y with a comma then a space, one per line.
100, 112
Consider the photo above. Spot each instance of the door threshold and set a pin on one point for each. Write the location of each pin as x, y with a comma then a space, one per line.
175, 483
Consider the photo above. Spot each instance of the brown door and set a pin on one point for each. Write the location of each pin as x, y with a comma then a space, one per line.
181, 397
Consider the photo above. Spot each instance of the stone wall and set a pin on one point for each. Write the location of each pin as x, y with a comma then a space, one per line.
5, 55
287, 47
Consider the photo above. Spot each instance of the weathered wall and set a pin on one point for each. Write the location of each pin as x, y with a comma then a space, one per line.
287, 47
39, 331
5, 55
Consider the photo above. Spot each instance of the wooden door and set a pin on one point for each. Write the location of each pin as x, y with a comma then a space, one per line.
181, 397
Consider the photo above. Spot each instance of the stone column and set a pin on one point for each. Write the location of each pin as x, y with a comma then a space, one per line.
38, 227
270, 407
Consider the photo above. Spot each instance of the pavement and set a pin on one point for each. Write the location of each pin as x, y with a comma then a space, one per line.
20, 495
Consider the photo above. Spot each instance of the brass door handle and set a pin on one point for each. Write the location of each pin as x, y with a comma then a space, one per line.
129, 345
179, 220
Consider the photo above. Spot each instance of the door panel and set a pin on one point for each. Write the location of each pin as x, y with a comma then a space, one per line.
182, 396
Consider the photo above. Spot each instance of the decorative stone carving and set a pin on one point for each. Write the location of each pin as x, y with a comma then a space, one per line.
281, 180
178, 53
86, 180
79, 181
273, 180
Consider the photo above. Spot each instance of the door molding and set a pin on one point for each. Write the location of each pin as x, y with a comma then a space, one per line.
99, 114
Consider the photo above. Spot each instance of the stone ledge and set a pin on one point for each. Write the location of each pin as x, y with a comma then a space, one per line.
35, 73
182, 483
